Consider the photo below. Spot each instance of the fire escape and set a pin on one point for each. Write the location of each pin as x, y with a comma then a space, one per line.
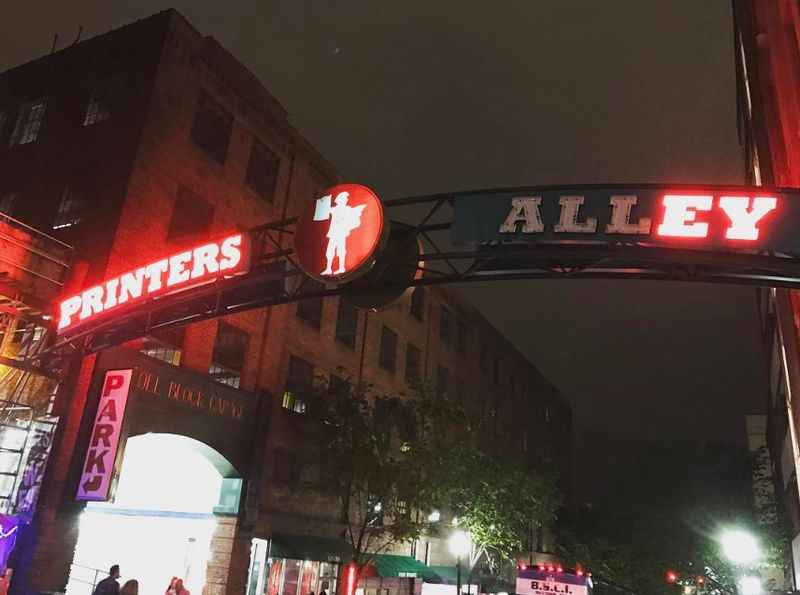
33, 267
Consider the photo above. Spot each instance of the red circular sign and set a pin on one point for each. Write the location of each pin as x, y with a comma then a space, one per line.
338, 234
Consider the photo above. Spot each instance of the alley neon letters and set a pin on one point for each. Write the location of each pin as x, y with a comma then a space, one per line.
684, 216
203, 263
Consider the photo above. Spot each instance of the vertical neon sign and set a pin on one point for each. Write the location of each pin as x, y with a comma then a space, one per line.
99, 464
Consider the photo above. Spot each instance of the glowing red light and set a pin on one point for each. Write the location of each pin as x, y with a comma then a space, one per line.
579, 572
680, 211
541, 568
559, 569
744, 216
672, 576
225, 257
523, 567
338, 234
351, 579
701, 580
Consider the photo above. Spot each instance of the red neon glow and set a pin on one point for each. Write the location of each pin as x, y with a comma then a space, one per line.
559, 569
579, 572
672, 576
351, 579
227, 256
338, 234
541, 568
744, 214
680, 212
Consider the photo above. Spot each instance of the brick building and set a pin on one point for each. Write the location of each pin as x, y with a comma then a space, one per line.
149, 139
768, 68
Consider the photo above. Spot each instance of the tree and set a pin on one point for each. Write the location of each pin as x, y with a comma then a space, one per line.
496, 500
380, 459
390, 460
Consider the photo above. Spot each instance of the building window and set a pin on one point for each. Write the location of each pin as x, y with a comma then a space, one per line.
461, 338
262, 170
388, 352
285, 470
70, 209
99, 107
413, 364
445, 325
346, 322
165, 345
7, 203
310, 309
441, 381
418, 303
230, 350
211, 130
299, 381
29, 121
191, 216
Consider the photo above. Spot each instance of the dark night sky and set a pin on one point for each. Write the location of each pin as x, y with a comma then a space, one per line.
419, 97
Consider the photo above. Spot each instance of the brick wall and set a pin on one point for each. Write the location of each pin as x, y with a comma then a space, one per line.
153, 156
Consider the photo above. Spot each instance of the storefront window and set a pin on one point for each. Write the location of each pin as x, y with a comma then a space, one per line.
300, 577
258, 567
291, 577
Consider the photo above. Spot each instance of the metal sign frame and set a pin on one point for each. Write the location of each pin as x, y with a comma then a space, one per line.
275, 277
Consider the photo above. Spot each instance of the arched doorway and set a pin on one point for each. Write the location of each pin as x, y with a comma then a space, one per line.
171, 492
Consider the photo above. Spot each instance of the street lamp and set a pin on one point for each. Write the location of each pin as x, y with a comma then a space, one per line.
460, 545
740, 547
750, 585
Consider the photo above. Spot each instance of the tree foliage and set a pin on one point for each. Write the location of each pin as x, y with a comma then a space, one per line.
391, 460
497, 500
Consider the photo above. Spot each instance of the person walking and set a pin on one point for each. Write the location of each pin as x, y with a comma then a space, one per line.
109, 585
179, 588
130, 587
171, 589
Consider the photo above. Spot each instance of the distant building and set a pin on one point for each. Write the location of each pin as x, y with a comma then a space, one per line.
152, 138
765, 504
767, 45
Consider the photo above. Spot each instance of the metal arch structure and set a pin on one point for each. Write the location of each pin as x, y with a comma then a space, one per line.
275, 278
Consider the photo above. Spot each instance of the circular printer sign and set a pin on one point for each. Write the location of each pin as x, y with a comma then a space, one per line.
338, 235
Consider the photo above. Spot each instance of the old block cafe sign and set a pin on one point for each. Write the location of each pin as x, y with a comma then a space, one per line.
98, 467
720, 218
339, 233
178, 272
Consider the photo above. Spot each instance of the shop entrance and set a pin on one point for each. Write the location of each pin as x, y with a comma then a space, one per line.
169, 503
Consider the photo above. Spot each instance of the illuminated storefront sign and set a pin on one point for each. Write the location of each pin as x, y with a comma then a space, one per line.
185, 269
99, 464
339, 233
709, 218
535, 582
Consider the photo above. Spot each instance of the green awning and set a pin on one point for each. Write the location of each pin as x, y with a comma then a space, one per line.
310, 547
390, 565
448, 574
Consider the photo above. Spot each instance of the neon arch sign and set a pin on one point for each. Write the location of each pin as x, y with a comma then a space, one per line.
178, 272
